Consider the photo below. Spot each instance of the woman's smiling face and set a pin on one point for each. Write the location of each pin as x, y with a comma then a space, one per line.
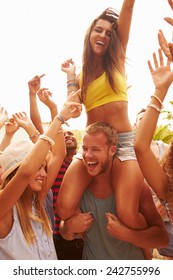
37, 183
100, 37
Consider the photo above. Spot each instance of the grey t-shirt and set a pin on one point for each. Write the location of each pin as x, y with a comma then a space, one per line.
98, 244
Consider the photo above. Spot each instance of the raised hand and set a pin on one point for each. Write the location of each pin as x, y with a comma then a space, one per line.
69, 68
26, 123
168, 19
3, 116
22, 120
44, 96
166, 47
71, 110
161, 72
11, 126
170, 3
35, 83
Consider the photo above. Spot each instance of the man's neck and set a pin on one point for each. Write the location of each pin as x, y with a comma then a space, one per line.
101, 186
69, 155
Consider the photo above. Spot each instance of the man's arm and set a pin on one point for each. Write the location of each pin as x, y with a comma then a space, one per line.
155, 236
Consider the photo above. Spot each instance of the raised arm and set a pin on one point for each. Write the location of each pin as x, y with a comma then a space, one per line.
23, 121
34, 85
3, 116
69, 67
162, 76
124, 22
10, 129
45, 96
165, 46
168, 19
57, 153
170, 2
35, 158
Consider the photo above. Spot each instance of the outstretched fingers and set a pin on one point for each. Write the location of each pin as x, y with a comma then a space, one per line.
166, 47
157, 62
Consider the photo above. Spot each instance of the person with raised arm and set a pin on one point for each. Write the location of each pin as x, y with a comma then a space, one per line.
104, 94
105, 237
165, 46
29, 171
159, 175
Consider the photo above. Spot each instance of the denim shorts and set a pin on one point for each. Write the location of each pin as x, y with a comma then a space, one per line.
125, 148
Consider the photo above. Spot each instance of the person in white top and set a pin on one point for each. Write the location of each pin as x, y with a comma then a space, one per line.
29, 171
159, 149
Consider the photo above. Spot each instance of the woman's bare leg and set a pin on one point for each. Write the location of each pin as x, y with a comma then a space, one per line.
127, 180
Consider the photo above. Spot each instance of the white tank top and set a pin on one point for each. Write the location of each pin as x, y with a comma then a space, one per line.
15, 247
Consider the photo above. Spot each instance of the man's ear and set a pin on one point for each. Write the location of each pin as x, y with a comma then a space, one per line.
113, 149
135, 125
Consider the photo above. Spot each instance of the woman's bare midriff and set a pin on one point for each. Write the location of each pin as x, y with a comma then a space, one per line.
114, 113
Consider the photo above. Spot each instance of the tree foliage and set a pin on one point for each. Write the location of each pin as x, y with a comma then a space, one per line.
165, 132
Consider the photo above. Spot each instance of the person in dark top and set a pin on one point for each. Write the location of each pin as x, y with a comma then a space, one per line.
65, 249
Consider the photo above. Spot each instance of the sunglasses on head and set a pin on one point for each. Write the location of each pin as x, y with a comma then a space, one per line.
112, 13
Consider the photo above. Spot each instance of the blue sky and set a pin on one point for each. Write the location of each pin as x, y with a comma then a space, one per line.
38, 35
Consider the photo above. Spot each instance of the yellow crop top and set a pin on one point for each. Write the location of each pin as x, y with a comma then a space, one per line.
99, 92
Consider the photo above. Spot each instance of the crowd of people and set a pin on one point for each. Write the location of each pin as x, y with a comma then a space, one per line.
58, 201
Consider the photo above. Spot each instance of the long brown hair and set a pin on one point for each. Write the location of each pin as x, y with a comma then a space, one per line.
167, 162
112, 58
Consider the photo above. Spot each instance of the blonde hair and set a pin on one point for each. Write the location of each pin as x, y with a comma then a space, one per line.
28, 211
105, 128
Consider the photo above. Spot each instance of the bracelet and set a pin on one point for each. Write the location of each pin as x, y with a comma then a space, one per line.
72, 85
35, 135
48, 139
158, 109
61, 119
158, 99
